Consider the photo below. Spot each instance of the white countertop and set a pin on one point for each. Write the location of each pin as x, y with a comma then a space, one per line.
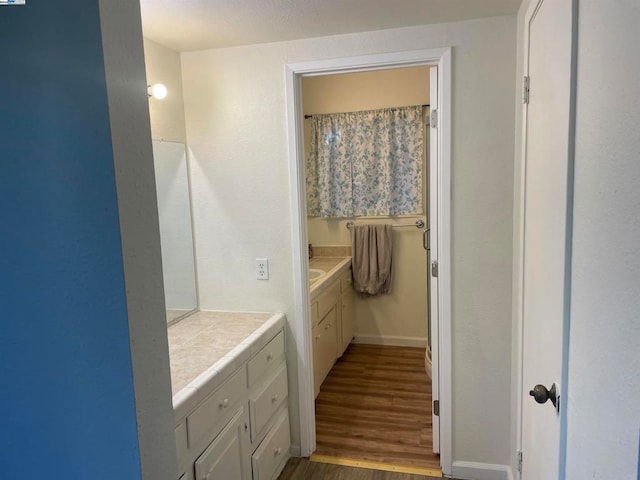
207, 347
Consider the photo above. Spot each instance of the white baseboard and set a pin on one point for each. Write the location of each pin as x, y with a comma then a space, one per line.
295, 451
420, 342
481, 471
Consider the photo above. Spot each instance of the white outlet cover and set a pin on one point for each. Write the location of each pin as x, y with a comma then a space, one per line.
262, 268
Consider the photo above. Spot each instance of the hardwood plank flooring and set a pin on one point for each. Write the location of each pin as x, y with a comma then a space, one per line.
375, 405
303, 469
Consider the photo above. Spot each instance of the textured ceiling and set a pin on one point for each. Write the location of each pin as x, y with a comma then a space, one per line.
185, 25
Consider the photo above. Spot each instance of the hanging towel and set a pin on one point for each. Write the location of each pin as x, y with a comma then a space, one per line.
371, 260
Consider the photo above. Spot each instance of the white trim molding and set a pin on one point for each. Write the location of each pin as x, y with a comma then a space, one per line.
294, 451
481, 471
420, 342
302, 321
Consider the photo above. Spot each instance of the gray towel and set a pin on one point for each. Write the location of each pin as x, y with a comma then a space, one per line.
371, 260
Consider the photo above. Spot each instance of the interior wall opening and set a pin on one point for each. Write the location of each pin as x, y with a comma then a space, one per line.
371, 356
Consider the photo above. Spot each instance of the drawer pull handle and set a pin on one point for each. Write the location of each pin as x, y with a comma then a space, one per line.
269, 356
224, 403
274, 398
277, 451
317, 337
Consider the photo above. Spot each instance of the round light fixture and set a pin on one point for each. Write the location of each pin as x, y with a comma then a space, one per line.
158, 91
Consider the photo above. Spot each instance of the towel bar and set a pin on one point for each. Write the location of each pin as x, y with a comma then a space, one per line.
419, 224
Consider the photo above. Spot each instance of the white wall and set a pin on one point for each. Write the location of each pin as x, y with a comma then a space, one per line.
167, 115
603, 413
137, 211
401, 315
236, 129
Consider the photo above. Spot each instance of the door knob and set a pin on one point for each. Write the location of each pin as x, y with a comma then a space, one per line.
541, 395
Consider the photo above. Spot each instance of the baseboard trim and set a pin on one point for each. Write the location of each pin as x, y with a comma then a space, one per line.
481, 471
420, 342
295, 451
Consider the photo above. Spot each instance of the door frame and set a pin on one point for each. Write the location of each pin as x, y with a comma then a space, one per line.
302, 337
519, 246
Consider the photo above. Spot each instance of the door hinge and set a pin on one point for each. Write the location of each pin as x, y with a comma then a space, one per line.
434, 118
519, 460
434, 268
436, 408
525, 90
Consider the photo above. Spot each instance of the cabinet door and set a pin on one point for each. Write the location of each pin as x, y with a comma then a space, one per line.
328, 348
227, 458
347, 325
325, 348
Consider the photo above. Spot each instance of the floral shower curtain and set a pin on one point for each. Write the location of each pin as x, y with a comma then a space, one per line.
366, 163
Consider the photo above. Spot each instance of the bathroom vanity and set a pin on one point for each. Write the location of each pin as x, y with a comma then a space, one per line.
332, 317
229, 378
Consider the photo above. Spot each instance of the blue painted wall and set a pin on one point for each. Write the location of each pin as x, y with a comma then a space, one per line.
66, 388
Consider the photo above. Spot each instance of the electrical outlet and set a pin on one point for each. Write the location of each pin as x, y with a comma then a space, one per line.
262, 268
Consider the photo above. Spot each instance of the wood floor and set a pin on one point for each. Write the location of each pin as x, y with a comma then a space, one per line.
375, 405
303, 469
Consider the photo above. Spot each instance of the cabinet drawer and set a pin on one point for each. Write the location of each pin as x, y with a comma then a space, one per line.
181, 441
225, 457
266, 402
209, 418
271, 355
346, 282
328, 299
273, 451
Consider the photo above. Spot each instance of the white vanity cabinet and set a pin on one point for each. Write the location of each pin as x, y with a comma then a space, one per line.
240, 431
333, 326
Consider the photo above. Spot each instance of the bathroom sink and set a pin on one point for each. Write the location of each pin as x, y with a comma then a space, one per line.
315, 274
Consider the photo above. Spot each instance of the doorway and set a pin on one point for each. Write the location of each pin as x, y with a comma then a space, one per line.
373, 393
439, 234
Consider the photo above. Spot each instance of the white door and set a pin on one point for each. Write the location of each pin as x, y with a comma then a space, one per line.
433, 254
547, 151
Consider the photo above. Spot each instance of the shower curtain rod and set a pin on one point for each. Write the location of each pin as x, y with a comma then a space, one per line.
311, 116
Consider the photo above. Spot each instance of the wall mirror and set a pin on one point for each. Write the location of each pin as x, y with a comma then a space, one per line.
176, 234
